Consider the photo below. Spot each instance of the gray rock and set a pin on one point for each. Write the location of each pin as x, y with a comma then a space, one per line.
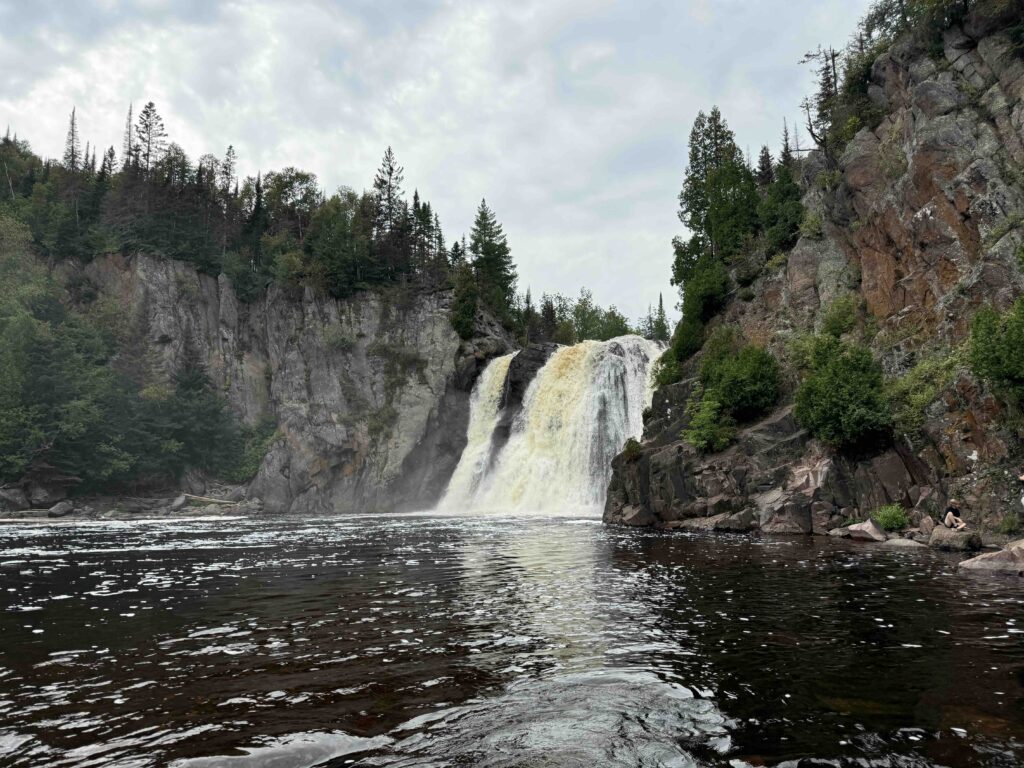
13, 499
954, 541
636, 516
926, 526
179, 503
45, 494
869, 530
61, 509
904, 544
1006, 562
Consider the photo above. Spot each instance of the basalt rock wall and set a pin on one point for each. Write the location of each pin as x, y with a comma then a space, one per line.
923, 222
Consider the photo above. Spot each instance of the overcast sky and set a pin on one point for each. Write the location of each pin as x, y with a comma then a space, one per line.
569, 116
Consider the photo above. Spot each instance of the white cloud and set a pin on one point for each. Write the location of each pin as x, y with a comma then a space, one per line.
570, 116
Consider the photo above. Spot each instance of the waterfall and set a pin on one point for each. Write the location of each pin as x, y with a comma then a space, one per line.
578, 412
484, 406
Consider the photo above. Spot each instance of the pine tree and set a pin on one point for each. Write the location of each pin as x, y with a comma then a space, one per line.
387, 185
128, 148
659, 328
72, 146
492, 262
765, 168
786, 155
151, 137
226, 172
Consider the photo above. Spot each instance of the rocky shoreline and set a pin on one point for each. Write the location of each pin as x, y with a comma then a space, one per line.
224, 501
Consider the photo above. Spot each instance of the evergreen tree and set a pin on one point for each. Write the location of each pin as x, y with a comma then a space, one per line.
786, 155
492, 262
659, 327
72, 146
128, 147
151, 141
765, 168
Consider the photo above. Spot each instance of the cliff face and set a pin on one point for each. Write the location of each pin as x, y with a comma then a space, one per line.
924, 223
370, 395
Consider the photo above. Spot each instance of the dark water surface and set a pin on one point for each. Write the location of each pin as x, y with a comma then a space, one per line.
445, 641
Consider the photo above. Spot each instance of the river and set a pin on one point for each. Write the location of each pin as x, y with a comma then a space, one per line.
451, 640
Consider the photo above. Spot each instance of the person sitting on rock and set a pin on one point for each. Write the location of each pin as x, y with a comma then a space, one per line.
952, 518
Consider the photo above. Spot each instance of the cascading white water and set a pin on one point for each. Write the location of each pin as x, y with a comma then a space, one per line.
577, 414
484, 409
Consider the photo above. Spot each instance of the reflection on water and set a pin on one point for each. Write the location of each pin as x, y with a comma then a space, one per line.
428, 640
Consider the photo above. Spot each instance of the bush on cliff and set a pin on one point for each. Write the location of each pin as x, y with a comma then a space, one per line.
744, 378
842, 400
997, 349
709, 429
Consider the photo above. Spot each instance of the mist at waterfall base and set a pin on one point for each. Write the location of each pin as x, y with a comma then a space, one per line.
577, 414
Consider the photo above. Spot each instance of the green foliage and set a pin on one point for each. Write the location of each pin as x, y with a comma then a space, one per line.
781, 211
744, 379
256, 441
492, 262
73, 413
891, 517
1010, 525
842, 400
709, 428
919, 387
338, 340
632, 451
465, 303
812, 226
997, 349
841, 316
667, 370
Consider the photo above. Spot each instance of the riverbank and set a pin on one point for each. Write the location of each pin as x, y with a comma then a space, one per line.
220, 501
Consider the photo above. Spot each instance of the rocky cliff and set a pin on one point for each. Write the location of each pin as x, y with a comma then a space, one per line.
370, 396
923, 221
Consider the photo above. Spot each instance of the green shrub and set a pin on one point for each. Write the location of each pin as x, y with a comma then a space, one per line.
709, 428
746, 294
892, 517
667, 370
778, 261
842, 400
997, 349
744, 380
632, 451
1010, 524
811, 226
919, 387
256, 441
841, 316
336, 339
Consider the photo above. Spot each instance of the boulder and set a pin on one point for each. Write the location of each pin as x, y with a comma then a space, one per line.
179, 503
44, 495
637, 517
698, 523
869, 530
1006, 562
954, 541
904, 544
13, 499
926, 526
740, 522
61, 509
